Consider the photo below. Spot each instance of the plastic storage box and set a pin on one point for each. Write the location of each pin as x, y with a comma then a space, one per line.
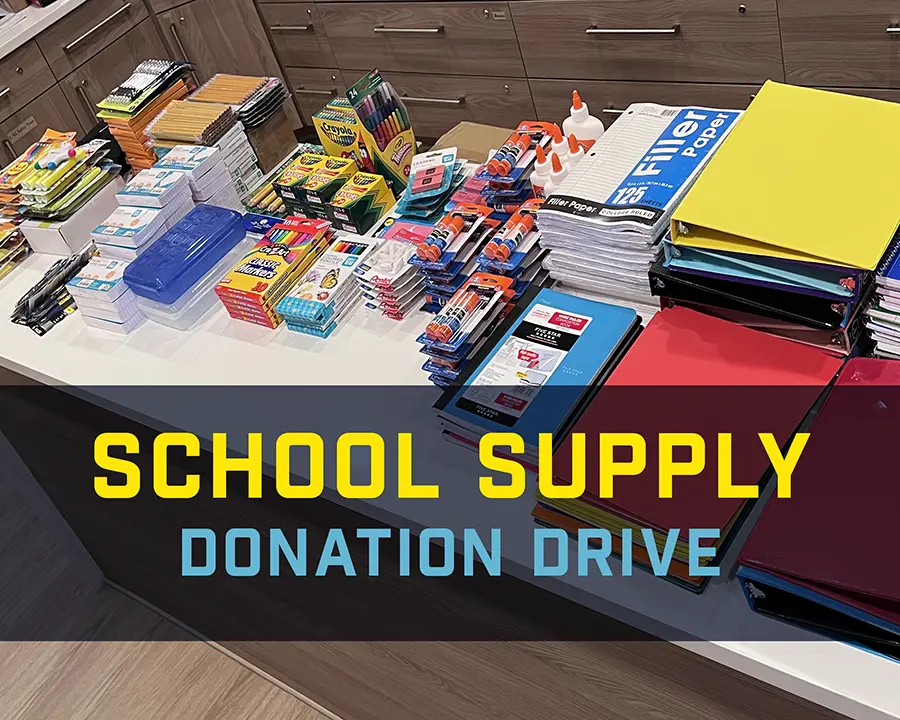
182, 256
187, 310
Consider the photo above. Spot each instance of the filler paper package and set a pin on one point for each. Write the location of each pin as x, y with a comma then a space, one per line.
253, 288
317, 302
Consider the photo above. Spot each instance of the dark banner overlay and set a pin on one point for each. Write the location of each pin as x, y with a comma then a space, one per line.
354, 513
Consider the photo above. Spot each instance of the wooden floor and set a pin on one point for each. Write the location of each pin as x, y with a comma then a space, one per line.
171, 677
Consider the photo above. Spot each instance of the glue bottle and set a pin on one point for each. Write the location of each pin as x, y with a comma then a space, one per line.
576, 152
444, 233
541, 173
558, 143
558, 172
585, 127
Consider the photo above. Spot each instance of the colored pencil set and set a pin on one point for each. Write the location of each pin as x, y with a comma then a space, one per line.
383, 115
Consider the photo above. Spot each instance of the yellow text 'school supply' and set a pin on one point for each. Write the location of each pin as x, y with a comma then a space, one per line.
806, 175
323, 183
288, 184
339, 133
252, 289
360, 203
385, 128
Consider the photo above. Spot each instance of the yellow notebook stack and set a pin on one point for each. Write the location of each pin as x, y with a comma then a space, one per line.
783, 228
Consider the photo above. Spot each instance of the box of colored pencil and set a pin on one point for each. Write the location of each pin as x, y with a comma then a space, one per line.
385, 128
252, 289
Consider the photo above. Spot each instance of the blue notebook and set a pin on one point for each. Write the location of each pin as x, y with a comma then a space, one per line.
543, 367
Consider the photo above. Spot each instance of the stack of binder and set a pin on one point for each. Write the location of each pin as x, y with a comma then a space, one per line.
825, 558
687, 370
604, 222
771, 235
538, 375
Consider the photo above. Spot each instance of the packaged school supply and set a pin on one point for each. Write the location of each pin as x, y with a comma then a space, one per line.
262, 199
360, 203
147, 81
184, 121
513, 160
103, 298
541, 372
339, 132
49, 301
21, 168
263, 105
228, 89
434, 177
315, 305
256, 284
385, 128
882, 316
154, 187
289, 184
323, 183
581, 124
511, 239
13, 248
604, 222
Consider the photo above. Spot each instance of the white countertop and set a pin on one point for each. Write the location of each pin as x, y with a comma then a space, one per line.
221, 351
18, 28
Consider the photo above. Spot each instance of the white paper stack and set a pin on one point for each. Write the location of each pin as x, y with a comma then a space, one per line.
604, 222
103, 298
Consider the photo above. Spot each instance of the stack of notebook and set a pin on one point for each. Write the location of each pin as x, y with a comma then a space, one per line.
825, 558
603, 223
539, 374
130, 107
688, 372
883, 315
764, 237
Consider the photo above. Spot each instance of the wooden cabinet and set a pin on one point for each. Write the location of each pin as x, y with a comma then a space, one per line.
92, 82
841, 42
454, 38
298, 34
673, 40
50, 110
313, 87
219, 36
87, 30
24, 74
438, 102
608, 99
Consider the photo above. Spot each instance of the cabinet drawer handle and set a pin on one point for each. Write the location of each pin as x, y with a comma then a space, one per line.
434, 101
430, 31
892, 30
633, 31
612, 110
310, 91
125, 8
4, 91
182, 50
290, 28
82, 95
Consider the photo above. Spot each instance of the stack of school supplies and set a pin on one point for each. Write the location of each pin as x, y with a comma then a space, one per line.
434, 177
360, 203
448, 256
604, 221
13, 248
755, 240
64, 178
257, 283
328, 293
540, 373
263, 105
49, 301
129, 230
262, 199
839, 583
175, 277
390, 285
103, 298
11, 206
455, 335
715, 377
339, 132
883, 315
206, 171
308, 185
385, 128
130, 107
228, 89
184, 121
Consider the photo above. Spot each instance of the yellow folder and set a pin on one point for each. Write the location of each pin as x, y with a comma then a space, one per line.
805, 175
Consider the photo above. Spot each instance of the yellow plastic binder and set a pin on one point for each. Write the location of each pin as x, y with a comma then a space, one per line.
805, 175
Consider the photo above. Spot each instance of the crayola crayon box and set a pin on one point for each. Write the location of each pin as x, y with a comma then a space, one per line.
321, 185
360, 203
385, 128
252, 289
339, 133
287, 186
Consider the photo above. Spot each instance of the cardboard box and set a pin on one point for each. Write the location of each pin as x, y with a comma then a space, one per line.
473, 140
69, 236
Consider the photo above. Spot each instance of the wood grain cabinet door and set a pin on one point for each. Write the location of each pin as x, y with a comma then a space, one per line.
841, 42
313, 87
19, 130
659, 40
24, 74
92, 82
219, 36
298, 34
453, 38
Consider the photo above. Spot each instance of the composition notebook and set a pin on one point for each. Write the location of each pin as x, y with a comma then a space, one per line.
805, 175
689, 372
542, 366
825, 558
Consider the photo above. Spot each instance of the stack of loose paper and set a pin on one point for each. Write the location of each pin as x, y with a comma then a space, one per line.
603, 223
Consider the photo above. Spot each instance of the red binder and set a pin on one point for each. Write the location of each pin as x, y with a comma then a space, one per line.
689, 372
